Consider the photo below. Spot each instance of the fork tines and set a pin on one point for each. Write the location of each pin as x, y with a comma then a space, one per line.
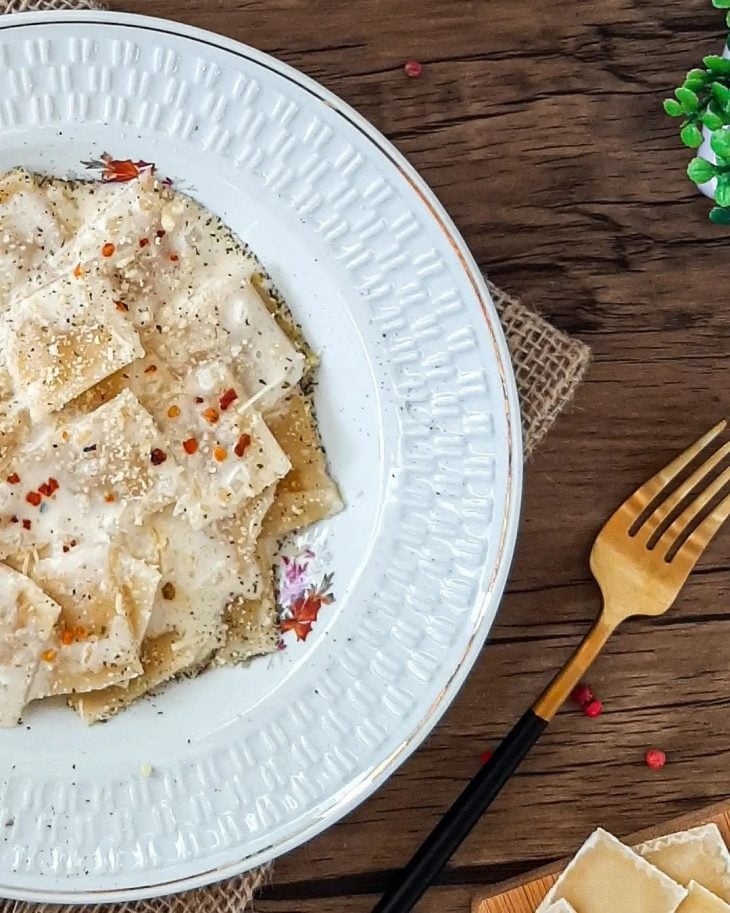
679, 510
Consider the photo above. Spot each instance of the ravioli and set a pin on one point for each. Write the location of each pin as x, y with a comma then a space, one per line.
64, 338
106, 602
227, 453
13, 420
110, 473
30, 232
155, 443
27, 618
307, 494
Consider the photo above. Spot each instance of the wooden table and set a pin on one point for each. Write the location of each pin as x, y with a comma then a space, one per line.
539, 125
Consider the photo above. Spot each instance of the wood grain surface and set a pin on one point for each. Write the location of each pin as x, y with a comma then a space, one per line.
539, 126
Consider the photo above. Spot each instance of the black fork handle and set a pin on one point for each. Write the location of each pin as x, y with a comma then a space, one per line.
459, 820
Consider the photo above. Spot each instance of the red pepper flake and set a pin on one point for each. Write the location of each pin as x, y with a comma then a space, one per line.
486, 756
13, 479
143, 242
80, 632
173, 411
242, 445
67, 638
120, 170
582, 695
413, 69
150, 369
48, 488
48, 656
190, 446
220, 454
593, 709
110, 497
228, 397
199, 400
160, 232
655, 759
26, 524
174, 258
33, 498
121, 306
78, 271
211, 415
108, 249
158, 456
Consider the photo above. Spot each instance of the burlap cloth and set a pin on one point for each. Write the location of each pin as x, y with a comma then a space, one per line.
548, 365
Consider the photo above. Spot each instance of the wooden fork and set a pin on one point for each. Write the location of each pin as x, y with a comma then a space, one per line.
641, 560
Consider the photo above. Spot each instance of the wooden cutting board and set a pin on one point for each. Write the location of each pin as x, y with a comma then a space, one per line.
522, 895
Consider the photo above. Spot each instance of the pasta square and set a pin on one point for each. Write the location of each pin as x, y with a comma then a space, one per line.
27, 618
64, 338
106, 601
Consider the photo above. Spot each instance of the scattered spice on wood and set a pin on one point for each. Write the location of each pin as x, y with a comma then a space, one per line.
582, 695
655, 759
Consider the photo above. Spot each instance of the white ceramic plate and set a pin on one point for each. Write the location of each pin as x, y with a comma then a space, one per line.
420, 418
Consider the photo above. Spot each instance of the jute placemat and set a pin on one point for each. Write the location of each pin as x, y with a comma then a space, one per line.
548, 365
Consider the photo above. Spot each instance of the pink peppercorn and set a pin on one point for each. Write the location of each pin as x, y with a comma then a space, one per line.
413, 69
655, 759
582, 695
593, 709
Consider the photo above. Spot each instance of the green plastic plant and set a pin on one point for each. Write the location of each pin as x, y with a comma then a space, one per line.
703, 101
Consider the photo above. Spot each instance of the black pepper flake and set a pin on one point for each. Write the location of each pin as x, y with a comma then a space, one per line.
90, 448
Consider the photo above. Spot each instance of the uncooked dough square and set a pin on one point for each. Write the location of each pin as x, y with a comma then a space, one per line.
698, 854
607, 877
700, 900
